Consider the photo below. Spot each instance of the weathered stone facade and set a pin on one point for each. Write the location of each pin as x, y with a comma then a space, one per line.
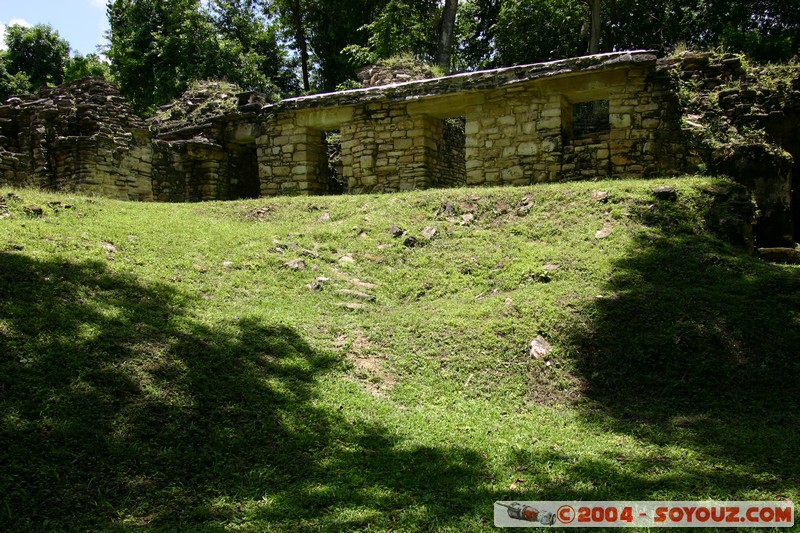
80, 136
518, 127
516, 124
608, 115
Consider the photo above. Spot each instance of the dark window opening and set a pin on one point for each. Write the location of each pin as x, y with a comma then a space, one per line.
589, 118
244, 167
334, 179
453, 160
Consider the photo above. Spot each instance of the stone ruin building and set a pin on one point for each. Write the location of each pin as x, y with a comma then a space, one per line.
607, 115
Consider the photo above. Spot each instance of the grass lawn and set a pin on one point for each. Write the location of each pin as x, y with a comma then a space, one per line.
335, 364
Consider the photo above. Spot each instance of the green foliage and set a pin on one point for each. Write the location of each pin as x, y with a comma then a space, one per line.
557, 31
401, 28
252, 55
332, 26
475, 34
80, 66
347, 85
493, 33
177, 377
159, 48
763, 29
38, 52
11, 84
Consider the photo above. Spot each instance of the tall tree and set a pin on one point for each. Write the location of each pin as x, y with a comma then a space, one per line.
80, 66
475, 34
252, 52
528, 31
293, 13
158, 48
38, 52
11, 84
407, 28
764, 29
446, 34
333, 25
594, 26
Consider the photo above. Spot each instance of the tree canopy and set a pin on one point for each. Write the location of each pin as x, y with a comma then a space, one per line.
284, 47
35, 57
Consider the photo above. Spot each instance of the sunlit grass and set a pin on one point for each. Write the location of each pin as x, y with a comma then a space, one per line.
163, 369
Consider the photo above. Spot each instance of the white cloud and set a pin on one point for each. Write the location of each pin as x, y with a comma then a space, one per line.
12, 22
97, 3
20, 22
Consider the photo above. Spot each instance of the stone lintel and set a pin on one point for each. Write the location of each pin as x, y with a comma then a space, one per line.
325, 118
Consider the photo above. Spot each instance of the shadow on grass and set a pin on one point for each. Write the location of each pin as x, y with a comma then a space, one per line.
119, 410
697, 345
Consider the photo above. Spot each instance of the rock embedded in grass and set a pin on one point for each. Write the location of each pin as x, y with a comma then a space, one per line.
357, 294
295, 264
411, 241
665, 192
33, 210
539, 347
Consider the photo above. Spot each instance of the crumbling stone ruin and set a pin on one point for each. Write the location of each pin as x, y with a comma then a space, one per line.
623, 114
80, 136
395, 71
742, 122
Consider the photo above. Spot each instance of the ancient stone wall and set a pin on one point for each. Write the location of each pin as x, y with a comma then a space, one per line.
205, 143
622, 114
449, 168
386, 149
525, 133
292, 159
215, 143
80, 136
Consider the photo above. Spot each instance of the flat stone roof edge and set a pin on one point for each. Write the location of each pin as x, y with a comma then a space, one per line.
464, 81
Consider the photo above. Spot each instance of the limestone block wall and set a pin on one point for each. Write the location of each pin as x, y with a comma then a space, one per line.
191, 170
645, 127
292, 158
524, 134
384, 149
511, 137
81, 136
13, 168
104, 165
448, 162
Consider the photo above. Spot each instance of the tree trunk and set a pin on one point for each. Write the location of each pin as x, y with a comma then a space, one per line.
300, 39
609, 39
446, 34
594, 27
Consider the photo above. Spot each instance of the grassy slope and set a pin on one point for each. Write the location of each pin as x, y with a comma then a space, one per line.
160, 367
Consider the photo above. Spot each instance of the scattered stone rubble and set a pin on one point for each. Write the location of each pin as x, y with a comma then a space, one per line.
395, 71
